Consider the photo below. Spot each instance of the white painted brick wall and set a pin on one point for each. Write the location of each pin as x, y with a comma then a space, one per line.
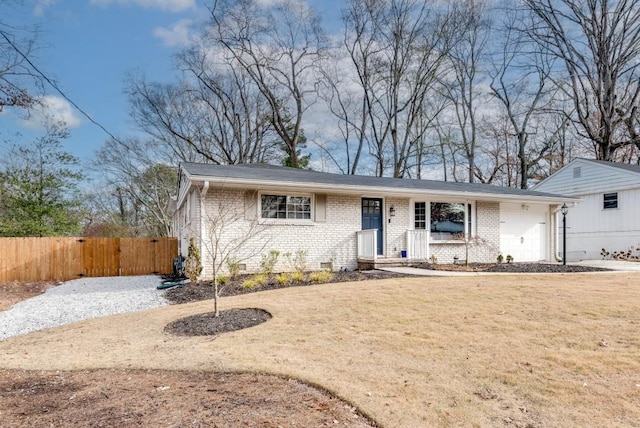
396, 226
333, 240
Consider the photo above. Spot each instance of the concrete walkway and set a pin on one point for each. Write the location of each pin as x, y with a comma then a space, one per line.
617, 265
614, 265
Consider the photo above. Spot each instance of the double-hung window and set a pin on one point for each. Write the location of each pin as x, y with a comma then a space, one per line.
285, 207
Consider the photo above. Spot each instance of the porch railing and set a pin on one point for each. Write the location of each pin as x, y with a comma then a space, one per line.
418, 244
367, 244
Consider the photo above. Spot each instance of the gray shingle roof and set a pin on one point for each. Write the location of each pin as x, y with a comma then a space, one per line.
625, 166
270, 173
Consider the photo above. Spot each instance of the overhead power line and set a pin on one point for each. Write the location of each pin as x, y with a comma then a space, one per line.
57, 88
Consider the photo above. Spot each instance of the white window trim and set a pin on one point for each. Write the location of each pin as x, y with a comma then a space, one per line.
286, 221
474, 218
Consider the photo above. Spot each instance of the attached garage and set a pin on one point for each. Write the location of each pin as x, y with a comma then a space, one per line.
523, 232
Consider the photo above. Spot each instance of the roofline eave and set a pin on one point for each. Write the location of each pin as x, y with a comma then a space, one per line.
382, 191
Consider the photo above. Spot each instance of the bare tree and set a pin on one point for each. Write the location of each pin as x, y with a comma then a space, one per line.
237, 117
18, 77
141, 185
278, 45
398, 48
598, 42
521, 83
349, 107
166, 114
464, 89
230, 237
215, 117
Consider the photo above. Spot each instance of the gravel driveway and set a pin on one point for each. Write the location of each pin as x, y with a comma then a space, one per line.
82, 299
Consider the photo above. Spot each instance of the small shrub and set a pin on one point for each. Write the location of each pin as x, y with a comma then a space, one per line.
282, 279
269, 261
233, 265
255, 281
332, 259
261, 279
222, 280
632, 254
433, 259
193, 263
321, 276
300, 261
297, 262
500, 258
249, 284
509, 258
296, 276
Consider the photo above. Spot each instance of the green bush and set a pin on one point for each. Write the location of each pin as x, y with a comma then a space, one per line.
249, 284
268, 262
296, 276
321, 276
261, 279
298, 261
193, 263
283, 279
233, 265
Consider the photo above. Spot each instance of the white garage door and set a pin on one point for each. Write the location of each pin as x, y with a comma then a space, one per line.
523, 235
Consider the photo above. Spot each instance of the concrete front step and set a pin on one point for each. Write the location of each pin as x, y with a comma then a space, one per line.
383, 262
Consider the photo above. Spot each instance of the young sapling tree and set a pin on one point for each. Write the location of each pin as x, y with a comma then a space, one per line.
231, 237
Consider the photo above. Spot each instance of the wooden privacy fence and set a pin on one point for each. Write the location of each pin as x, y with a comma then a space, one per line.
40, 259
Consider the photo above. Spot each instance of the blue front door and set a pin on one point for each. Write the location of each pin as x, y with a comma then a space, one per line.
372, 217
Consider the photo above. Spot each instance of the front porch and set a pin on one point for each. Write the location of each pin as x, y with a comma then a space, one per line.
415, 251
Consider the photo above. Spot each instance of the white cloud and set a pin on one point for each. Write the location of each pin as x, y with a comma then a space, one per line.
41, 5
52, 109
177, 35
168, 5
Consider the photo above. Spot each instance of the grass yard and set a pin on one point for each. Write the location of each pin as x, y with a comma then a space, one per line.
559, 350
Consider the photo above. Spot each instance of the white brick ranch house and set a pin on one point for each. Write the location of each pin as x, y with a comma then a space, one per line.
340, 220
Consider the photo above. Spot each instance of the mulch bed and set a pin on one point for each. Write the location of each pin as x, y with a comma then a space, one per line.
511, 268
209, 325
204, 290
236, 319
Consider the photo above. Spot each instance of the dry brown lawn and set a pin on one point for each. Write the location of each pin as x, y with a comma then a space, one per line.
559, 350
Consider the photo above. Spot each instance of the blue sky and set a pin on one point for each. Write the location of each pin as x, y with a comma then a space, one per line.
88, 47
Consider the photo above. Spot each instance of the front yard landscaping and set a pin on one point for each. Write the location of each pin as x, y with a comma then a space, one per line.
513, 350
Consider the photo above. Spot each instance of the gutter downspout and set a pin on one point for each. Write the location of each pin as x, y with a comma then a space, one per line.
556, 235
203, 195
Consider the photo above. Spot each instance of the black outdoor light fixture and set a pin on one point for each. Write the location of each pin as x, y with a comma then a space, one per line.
392, 211
564, 210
